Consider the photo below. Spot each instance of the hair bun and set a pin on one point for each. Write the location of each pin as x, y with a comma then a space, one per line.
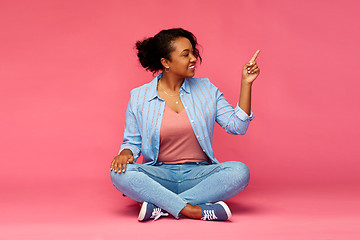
144, 51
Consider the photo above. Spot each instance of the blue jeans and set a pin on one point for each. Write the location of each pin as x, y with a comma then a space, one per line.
172, 186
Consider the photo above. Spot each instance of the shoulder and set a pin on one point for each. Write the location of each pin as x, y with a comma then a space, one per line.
143, 90
202, 83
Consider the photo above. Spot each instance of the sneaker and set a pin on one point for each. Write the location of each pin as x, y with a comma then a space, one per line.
150, 211
218, 211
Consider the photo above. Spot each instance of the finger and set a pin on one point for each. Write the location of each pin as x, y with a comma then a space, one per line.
252, 68
112, 164
124, 167
249, 64
115, 166
255, 55
255, 70
120, 167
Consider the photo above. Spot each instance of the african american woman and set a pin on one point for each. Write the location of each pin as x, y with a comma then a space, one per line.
170, 121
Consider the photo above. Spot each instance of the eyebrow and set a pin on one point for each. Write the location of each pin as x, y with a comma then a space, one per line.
185, 50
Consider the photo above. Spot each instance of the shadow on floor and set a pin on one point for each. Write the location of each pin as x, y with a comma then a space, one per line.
241, 208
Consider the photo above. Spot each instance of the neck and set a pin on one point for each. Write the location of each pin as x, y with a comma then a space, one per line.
171, 82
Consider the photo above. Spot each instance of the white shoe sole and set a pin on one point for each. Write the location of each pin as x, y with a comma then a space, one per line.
142, 211
227, 209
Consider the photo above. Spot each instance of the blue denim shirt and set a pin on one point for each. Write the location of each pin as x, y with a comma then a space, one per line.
204, 105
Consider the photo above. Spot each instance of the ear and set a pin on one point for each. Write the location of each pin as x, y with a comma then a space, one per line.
165, 62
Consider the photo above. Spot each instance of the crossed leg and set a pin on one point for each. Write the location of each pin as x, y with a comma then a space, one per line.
224, 181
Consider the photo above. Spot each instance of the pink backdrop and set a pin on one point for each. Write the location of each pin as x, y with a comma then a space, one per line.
67, 67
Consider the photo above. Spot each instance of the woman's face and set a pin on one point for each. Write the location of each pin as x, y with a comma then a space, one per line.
182, 63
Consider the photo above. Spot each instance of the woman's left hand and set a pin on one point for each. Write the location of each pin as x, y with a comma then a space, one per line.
250, 71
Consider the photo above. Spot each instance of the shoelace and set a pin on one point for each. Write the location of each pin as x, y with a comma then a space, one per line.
157, 213
209, 215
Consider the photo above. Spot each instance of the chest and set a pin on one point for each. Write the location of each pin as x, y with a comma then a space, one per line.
173, 102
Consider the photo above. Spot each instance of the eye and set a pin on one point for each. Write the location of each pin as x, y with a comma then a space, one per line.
187, 54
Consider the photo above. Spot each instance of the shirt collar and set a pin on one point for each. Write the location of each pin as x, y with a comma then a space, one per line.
153, 87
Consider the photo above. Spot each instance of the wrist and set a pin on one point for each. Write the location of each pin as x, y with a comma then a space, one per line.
126, 152
246, 84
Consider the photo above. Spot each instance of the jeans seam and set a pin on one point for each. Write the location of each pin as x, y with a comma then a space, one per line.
166, 179
179, 179
204, 174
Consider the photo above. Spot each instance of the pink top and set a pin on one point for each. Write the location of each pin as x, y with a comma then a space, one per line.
178, 143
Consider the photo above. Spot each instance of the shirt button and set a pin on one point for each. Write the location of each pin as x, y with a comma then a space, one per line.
197, 136
186, 107
203, 150
192, 120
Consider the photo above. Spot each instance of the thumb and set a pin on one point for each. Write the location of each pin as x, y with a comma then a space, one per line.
131, 159
246, 66
249, 64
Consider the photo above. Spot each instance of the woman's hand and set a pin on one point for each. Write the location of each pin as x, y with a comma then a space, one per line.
250, 70
119, 162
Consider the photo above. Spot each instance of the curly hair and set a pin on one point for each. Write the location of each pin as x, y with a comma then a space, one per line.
152, 49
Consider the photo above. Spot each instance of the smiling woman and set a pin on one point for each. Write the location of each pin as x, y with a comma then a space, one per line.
170, 121
153, 49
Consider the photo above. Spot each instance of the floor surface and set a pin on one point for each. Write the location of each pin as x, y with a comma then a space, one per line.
94, 209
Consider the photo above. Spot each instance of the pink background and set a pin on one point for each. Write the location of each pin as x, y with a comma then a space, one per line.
66, 70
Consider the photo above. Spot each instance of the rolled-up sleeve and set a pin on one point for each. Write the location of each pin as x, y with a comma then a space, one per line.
234, 121
132, 136
242, 114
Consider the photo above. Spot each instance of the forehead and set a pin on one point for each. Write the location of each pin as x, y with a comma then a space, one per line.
181, 43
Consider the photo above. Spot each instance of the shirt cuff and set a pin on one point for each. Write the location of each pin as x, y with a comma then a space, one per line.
131, 148
242, 114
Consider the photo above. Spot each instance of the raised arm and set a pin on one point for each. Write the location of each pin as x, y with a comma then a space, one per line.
249, 73
236, 121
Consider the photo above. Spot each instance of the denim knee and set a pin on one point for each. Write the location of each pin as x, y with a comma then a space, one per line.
115, 179
119, 180
240, 171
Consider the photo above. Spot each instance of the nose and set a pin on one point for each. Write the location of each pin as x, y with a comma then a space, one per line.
193, 58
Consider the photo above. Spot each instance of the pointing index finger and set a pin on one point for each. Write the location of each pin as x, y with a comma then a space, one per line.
255, 56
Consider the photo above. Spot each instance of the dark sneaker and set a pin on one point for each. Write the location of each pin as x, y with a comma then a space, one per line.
218, 211
150, 211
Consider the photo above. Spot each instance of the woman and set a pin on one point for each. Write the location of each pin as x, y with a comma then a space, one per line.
170, 121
